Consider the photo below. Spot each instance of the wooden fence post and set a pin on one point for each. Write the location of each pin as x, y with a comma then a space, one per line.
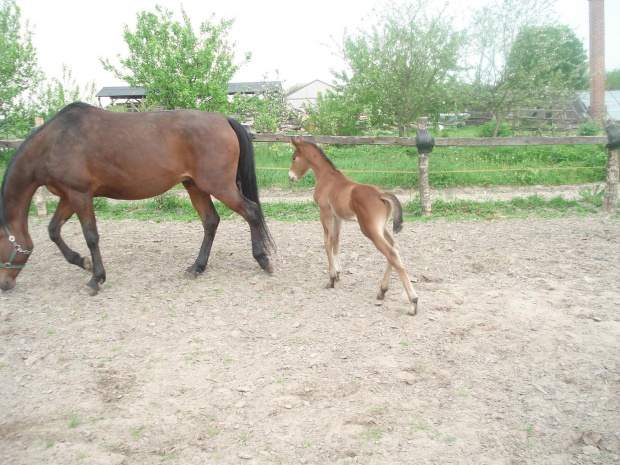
39, 196
610, 199
425, 143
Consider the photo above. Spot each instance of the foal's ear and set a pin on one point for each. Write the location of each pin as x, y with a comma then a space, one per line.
295, 143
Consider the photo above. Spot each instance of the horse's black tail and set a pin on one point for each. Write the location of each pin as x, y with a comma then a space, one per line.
396, 208
246, 179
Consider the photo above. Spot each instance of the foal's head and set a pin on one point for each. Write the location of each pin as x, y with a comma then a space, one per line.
301, 160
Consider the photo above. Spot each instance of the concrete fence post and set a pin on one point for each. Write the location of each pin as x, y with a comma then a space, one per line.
610, 199
425, 143
39, 196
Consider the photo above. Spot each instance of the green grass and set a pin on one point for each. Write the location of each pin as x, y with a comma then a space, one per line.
308, 211
448, 166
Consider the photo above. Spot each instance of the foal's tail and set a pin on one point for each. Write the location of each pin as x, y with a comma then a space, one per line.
396, 208
246, 179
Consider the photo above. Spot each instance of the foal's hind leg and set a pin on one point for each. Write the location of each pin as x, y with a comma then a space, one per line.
385, 282
393, 258
63, 212
210, 220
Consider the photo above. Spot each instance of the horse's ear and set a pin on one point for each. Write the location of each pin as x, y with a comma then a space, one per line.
295, 143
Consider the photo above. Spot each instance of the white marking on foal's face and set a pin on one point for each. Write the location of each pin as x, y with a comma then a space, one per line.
292, 176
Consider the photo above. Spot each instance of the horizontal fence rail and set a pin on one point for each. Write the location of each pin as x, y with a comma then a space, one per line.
439, 141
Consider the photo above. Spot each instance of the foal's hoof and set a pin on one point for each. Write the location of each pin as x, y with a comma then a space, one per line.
413, 310
380, 295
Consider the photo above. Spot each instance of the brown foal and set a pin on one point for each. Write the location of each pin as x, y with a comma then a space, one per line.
340, 198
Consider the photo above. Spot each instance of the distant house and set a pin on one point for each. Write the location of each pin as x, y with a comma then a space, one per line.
132, 97
308, 94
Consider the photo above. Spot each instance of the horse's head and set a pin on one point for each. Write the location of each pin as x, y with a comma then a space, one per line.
300, 164
13, 258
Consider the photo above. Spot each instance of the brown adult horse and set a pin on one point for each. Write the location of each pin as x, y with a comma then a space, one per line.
339, 198
85, 152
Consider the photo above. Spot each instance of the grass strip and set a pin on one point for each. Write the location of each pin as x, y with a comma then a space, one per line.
181, 209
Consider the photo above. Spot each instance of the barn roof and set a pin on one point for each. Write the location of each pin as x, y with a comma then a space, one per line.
122, 92
129, 92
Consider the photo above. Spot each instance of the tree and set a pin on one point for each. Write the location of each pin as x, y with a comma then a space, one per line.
53, 96
267, 107
335, 114
400, 69
18, 69
178, 68
518, 57
548, 55
612, 79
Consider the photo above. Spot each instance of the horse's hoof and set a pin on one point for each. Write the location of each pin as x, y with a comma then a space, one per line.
380, 295
87, 264
189, 275
90, 291
413, 311
268, 268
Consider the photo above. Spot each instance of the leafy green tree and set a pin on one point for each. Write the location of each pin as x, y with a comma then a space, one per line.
543, 56
18, 70
267, 107
518, 58
612, 79
401, 68
335, 114
58, 93
178, 68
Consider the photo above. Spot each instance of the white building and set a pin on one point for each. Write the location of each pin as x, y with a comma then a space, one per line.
307, 95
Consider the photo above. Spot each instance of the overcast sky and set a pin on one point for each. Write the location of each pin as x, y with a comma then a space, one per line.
291, 38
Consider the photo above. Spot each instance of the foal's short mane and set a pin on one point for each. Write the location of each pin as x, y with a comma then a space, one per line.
322, 154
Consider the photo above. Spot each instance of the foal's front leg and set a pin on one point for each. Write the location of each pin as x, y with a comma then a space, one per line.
327, 220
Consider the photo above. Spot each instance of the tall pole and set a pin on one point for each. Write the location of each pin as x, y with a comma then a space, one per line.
597, 108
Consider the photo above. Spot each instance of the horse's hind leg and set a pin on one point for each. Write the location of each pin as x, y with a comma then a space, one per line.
83, 206
210, 220
250, 211
63, 212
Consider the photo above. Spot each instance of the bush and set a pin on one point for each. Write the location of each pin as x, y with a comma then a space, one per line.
487, 130
589, 129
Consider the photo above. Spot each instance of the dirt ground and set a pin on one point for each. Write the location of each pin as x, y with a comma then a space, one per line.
514, 357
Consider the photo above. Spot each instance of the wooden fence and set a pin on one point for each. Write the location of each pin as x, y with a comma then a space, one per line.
612, 156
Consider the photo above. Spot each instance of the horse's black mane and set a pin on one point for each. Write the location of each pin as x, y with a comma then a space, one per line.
320, 150
9, 168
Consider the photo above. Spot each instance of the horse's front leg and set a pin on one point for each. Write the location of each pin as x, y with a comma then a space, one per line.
210, 220
63, 212
327, 221
83, 206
